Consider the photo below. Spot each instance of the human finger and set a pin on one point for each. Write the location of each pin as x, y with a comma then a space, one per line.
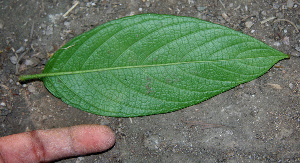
49, 145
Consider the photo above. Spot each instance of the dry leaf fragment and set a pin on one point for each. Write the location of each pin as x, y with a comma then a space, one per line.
276, 86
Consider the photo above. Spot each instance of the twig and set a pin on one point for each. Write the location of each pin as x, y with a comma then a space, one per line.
268, 19
222, 3
239, 6
277, 20
75, 4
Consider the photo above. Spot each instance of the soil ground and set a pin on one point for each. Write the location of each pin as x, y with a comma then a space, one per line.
255, 122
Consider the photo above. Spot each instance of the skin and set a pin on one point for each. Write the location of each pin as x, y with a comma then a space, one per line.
50, 145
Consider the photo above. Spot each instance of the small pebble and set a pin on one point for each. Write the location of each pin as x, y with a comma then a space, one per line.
276, 6
49, 30
201, 8
297, 47
290, 3
249, 24
152, 142
277, 43
80, 159
3, 104
43, 25
20, 50
28, 62
286, 40
279, 15
140, 9
131, 13
50, 48
24, 85
13, 59
295, 54
32, 62
291, 85
31, 89
148, 3
67, 24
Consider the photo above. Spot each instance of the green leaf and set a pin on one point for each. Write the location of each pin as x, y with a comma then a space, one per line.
150, 64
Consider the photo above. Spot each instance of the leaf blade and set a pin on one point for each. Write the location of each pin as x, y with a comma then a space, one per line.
151, 64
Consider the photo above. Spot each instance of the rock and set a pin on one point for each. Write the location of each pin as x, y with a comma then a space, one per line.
201, 8
67, 24
279, 15
49, 30
31, 89
3, 104
13, 59
277, 43
152, 142
50, 48
290, 3
276, 6
55, 18
249, 24
286, 40
148, 3
295, 54
28, 62
32, 62
297, 47
284, 133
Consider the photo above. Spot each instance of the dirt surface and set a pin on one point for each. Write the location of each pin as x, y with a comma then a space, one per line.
254, 122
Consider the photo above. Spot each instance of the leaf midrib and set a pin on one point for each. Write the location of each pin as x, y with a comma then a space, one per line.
129, 67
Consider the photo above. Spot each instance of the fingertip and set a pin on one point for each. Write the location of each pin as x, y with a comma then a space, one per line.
110, 136
92, 138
